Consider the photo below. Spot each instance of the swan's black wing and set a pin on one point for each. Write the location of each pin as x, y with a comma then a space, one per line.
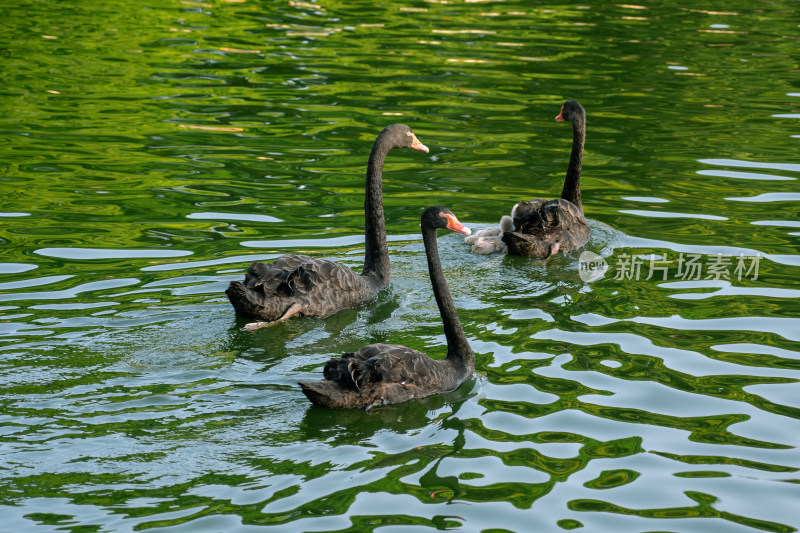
299, 275
380, 374
320, 286
543, 214
543, 227
268, 277
378, 363
527, 214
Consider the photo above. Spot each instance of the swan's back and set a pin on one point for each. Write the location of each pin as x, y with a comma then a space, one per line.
320, 286
380, 374
544, 214
543, 227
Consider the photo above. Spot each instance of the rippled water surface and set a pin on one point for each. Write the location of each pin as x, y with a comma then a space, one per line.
150, 151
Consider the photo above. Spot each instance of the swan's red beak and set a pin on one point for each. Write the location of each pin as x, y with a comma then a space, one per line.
416, 145
454, 225
560, 118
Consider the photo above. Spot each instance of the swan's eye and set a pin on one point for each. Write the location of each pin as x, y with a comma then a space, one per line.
409, 133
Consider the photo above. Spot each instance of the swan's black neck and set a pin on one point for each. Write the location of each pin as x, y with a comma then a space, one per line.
458, 349
572, 182
376, 256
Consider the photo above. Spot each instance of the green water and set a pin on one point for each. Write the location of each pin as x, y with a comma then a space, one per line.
150, 151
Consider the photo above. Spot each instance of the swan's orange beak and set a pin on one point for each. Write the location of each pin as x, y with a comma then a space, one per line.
416, 145
560, 118
454, 225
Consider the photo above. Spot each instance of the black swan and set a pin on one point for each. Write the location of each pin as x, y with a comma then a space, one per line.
544, 227
381, 374
298, 285
540, 228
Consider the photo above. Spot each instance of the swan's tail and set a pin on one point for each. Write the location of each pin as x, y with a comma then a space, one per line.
252, 304
331, 395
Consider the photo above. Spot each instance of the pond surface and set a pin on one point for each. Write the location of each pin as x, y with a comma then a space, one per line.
150, 151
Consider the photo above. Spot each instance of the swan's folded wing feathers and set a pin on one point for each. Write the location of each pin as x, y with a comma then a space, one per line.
343, 371
525, 208
534, 243
354, 370
306, 276
269, 278
528, 214
291, 261
551, 215
572, 212
378, 363
540, 214
321, 273
557, 222
396, 366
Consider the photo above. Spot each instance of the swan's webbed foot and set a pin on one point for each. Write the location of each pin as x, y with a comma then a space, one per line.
293, 310
252, 326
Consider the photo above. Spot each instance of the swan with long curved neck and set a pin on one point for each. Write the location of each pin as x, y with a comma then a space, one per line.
299, 285
380, 374
540, 228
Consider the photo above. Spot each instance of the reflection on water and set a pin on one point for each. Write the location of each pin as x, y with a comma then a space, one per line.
98, 253
149, 155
